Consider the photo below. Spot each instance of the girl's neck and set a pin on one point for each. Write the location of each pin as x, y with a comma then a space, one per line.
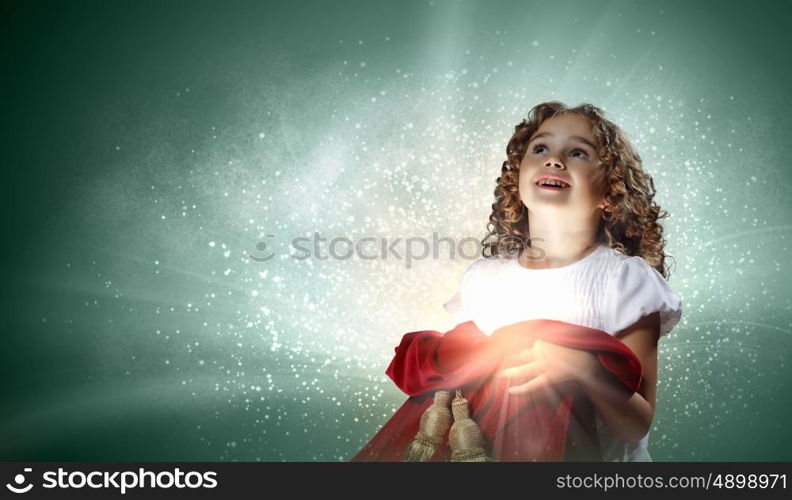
537, 256
557, 247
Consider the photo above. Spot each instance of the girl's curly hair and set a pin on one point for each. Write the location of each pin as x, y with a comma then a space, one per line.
629, 225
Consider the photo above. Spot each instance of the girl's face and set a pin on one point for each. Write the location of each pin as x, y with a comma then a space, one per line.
563, 148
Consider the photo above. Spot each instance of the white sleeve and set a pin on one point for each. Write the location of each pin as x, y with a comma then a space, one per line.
455, 308
637, 289
456, 305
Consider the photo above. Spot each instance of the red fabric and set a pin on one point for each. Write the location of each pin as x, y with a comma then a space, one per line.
551, 424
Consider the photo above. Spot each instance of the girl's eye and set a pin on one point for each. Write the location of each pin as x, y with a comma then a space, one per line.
585, 155
537, 147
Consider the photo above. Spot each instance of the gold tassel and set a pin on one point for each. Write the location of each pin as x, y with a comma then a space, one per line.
435, 422
466, 439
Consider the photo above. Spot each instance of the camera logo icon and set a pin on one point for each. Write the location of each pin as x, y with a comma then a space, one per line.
19, 479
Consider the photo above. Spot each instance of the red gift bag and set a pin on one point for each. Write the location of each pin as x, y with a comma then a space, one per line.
550, 424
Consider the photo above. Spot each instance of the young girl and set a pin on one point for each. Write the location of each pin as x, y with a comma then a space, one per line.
575, 238
575, 254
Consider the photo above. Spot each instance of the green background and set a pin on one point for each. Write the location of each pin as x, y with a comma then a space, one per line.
149, 147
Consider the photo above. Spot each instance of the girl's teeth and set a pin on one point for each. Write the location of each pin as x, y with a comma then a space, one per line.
553, 184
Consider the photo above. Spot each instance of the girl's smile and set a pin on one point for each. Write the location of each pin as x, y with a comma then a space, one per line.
552, 182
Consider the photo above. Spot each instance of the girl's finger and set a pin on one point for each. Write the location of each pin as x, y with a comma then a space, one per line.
527, 370
526, 354
529, 386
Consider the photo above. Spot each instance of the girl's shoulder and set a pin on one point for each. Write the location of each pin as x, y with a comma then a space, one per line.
613, 261
635, 289
488, 265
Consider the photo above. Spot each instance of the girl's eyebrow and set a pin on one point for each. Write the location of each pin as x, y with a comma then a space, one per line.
577, 138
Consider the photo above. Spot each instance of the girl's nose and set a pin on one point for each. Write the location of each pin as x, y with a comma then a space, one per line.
554, 162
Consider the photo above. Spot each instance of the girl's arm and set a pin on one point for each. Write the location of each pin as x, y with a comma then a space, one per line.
629, 415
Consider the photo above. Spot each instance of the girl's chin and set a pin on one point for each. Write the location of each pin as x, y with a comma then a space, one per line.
555, 206
549, 200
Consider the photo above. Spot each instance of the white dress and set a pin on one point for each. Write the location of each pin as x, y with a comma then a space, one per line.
605, 290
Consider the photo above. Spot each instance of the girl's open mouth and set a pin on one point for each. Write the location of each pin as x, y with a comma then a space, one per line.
552, 184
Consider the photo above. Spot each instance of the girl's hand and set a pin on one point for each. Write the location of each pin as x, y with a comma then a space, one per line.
548, 363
